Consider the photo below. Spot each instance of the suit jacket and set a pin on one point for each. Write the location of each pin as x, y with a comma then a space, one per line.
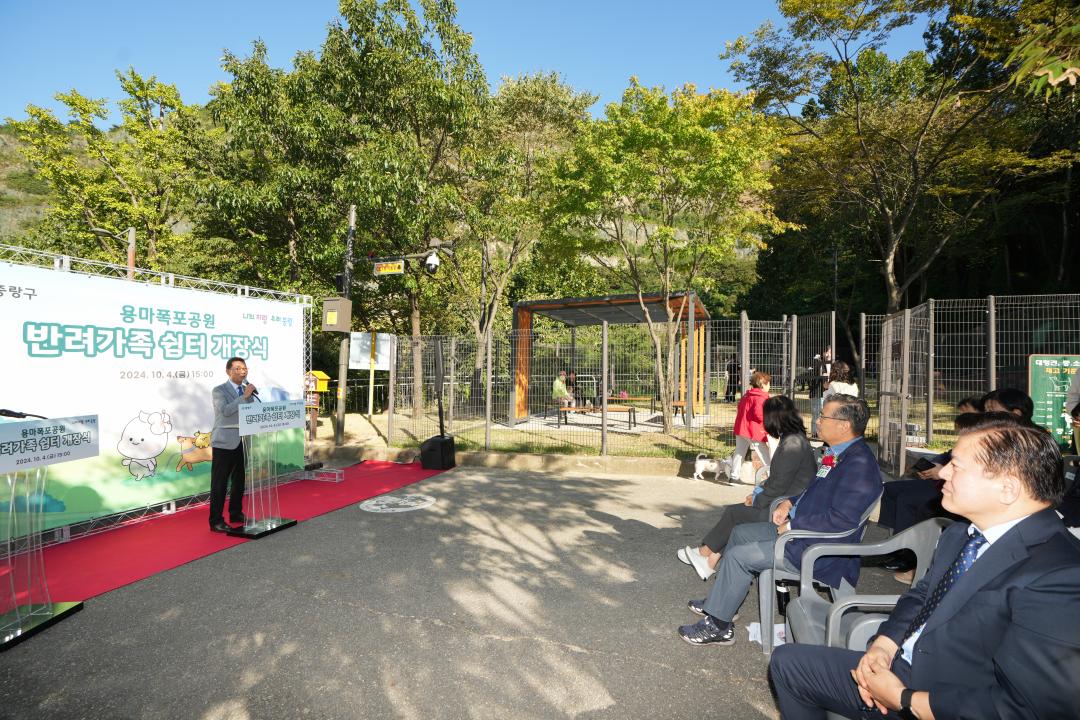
1005, 640
834, 503
226, 432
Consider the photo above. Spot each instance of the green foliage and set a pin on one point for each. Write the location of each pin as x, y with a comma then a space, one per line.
664, 190
133, 176
892, 158
1049, 53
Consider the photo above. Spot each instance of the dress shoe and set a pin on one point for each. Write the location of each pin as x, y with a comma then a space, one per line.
239, 519
219, 526
898, 564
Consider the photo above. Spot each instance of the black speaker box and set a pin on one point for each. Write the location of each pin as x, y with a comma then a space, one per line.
437, 453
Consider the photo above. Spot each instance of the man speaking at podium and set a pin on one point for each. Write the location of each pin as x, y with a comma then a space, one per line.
227, 450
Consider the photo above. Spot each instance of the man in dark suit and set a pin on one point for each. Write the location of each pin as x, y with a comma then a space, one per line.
227, 460
993, 630
846, 485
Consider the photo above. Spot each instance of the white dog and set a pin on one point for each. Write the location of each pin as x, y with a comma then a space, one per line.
704, 464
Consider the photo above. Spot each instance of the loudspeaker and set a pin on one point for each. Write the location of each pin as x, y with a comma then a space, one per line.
437, 453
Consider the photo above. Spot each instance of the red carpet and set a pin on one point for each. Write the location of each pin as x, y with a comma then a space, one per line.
99, 563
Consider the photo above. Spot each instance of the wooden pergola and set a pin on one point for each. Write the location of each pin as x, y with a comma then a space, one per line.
614, 310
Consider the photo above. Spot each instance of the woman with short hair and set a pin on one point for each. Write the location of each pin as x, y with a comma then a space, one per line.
749, 428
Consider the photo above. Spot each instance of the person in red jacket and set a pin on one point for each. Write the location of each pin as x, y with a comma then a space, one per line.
750, 423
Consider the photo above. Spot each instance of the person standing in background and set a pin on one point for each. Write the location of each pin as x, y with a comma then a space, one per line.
820, 367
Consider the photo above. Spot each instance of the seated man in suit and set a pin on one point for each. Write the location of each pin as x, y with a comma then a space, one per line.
847, 483
993, 630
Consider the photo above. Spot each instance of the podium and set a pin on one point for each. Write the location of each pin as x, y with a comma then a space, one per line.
27, 449
260, 426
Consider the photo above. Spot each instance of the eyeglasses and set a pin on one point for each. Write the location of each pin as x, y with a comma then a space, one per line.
832, 417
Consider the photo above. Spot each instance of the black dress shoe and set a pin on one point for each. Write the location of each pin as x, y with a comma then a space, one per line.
898, 565
219, 526
241, 519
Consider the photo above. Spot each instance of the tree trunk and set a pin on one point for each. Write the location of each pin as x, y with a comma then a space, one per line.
1064, 256
476, 384
417, 355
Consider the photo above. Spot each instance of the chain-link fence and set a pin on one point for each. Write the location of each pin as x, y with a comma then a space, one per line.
548, 387
869, 362
943, 351
913, 367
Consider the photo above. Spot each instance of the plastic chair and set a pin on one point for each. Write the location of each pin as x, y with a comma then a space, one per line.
813, 619
779, 572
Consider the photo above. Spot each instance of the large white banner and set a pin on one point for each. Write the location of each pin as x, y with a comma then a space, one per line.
144, 359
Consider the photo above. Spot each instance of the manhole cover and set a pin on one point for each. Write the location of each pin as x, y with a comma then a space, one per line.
397, 503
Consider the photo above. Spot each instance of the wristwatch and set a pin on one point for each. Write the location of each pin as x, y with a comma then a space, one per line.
905, 703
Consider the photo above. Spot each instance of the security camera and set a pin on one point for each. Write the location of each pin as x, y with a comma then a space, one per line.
431, 263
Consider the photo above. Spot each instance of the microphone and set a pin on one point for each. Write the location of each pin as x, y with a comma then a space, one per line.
254, 393
17, 414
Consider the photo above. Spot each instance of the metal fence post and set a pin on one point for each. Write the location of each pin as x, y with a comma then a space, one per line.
930, 373
450, 390
905, 390
691, 366
794, 353
862, 356
991, 343
603, 386
832, 334
489, 385
390, 391
785, 355
744, 350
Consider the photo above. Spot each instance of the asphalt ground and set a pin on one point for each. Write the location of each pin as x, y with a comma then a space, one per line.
515, 595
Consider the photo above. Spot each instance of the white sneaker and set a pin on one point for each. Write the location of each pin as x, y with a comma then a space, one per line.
700, 565
683, 554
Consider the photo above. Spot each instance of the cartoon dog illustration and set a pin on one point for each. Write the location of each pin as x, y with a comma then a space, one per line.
194, 449
144, 438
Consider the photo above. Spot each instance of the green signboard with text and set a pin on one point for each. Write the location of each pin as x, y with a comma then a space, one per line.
1049, 377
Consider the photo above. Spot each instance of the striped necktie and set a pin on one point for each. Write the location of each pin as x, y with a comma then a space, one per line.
961, 565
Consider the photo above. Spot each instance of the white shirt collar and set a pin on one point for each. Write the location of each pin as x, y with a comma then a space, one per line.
993, 534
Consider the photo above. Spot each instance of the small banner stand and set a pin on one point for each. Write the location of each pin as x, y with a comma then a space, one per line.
259, 427
27, 448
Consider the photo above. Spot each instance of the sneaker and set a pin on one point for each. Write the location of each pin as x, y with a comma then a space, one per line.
700, 564
698, 608
708, 631
683, 554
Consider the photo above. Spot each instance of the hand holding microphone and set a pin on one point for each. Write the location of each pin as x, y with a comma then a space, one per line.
250, 390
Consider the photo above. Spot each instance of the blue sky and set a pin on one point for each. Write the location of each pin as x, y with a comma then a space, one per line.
48, 46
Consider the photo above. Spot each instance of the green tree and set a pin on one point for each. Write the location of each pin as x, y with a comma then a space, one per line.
903, 153
414, 90
529, 122
663, 191
131, 176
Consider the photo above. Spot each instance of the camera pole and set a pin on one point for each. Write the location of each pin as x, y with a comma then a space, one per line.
343, 352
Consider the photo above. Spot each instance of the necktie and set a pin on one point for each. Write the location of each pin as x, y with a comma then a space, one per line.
961, 565
239, 391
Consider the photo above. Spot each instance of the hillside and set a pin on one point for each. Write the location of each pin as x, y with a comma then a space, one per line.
23, 196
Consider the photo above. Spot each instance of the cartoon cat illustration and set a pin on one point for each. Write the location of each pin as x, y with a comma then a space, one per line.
144, 438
